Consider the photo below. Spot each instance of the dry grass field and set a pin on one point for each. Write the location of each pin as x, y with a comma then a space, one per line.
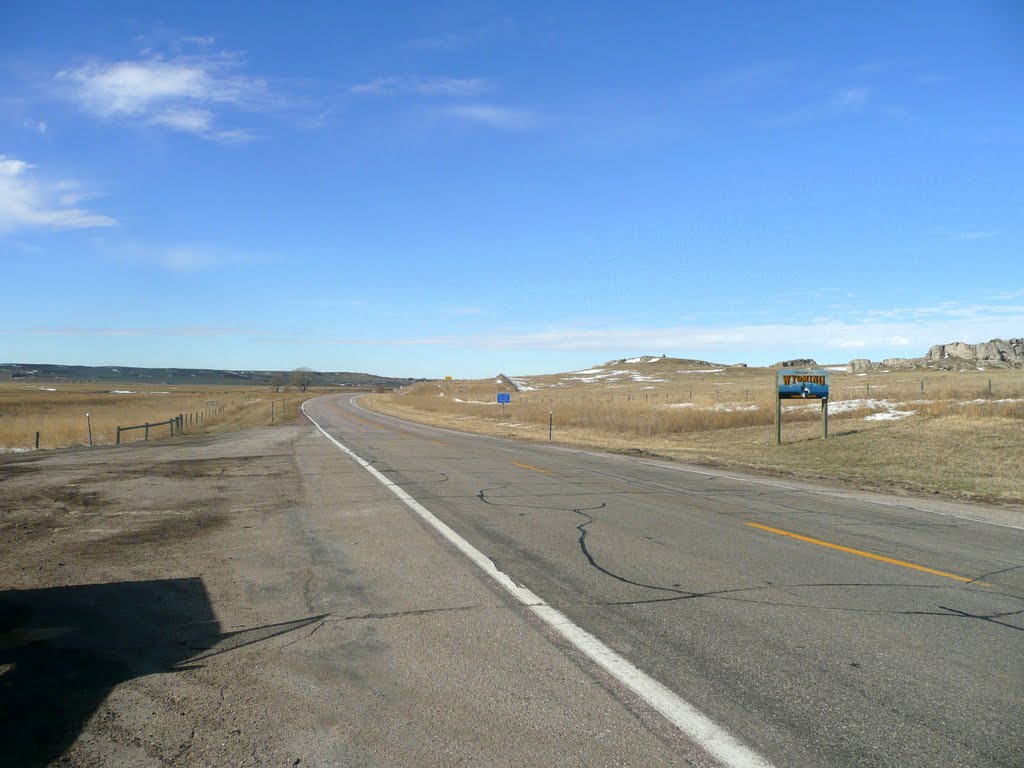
57, 410
954, 433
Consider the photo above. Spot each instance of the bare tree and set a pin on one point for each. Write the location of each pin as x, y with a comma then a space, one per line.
302, 378
277, 381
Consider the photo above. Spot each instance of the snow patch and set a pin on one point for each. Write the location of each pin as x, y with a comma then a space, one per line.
524, 385
845, 406
704, 370
889, 415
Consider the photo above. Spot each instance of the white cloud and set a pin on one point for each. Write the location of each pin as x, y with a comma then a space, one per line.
175, 258
975, 234
185, 331
191, 120
200, 41
879, 334
424, 86
26, 203
496, 117
851, 99
180, 93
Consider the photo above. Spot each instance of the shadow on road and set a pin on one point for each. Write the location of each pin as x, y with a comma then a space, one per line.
63, 649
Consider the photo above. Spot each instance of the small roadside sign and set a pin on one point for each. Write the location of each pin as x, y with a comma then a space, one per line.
504, 397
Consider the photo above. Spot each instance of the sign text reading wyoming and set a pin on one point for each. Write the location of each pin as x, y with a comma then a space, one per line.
804, 378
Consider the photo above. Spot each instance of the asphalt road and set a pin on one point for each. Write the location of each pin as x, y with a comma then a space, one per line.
816, 627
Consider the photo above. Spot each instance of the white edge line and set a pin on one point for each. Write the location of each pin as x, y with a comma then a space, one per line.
695, 725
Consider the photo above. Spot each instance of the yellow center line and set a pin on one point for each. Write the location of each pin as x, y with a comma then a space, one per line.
438, 442
871, 555
527, 466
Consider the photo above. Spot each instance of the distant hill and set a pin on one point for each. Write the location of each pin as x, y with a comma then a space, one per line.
648, 369
671, 362
184, 376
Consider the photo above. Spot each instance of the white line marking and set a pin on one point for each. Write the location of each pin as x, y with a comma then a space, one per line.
676, 710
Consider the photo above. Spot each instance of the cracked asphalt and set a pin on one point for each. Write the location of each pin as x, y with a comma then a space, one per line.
260, 599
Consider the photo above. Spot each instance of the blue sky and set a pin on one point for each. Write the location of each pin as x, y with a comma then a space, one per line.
430, 189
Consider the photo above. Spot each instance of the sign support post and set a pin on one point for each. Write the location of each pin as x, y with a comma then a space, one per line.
778, 419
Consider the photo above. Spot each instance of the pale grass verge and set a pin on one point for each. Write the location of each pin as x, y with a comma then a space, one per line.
58, 411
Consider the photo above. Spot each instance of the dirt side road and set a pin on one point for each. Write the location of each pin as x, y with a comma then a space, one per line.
258, 599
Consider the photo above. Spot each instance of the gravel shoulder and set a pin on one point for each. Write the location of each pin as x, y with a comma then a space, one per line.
258, 599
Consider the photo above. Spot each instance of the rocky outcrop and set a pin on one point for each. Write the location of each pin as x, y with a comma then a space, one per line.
901, 362
800, 362
861, 365
998, 353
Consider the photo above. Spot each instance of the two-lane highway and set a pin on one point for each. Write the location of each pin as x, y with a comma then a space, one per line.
813, 628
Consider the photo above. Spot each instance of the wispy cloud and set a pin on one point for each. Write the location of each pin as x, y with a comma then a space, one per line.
877, 333
464, 311
423, 86
874, 335
181, 331
493, 116
180, 93
466, 36
181, 259
830, 103
970, 234
851, 99
745, 81
27, 203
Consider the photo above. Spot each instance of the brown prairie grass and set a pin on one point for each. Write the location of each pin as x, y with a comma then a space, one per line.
57, 410
922, 432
